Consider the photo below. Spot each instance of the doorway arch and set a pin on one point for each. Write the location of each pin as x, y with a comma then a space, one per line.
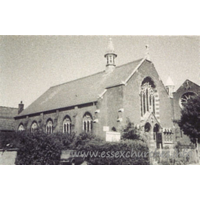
147, 127
157, 136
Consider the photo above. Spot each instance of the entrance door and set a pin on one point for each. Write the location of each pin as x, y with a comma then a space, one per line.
159, 140
157, 136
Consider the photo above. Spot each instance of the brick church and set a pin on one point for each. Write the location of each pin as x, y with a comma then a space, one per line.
102, 103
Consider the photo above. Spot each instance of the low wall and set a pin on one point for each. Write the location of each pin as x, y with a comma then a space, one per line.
7, 157
183, 156
113, 136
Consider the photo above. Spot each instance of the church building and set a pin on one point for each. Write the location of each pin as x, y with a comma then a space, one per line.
103, 102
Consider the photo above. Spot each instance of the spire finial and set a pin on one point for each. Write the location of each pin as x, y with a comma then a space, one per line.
147, 52
169, 82
110, 48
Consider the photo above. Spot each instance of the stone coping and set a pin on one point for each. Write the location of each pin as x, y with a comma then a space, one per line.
14, 149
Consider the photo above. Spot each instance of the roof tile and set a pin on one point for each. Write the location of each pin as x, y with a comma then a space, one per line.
80, 91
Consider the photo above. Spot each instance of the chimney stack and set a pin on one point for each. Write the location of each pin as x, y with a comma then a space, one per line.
20, 107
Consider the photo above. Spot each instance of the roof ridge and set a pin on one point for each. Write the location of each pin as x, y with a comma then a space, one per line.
184, 82
77, 79
52, 98
136, 68
191, 81
8, 107
95, 73
130, 62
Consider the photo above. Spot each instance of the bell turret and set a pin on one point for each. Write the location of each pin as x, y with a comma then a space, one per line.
110, 55
170, 87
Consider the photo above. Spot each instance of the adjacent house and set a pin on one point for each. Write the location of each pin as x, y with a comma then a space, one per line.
7, 121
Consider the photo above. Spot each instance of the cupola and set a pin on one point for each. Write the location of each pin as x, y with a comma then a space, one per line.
110, 56
170, 87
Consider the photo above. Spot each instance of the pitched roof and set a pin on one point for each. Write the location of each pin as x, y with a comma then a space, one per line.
185, 83
7, 115
146, 118
8, 112
7, 124
80, 91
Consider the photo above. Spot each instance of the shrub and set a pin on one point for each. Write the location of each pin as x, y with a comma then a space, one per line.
40, 148
45, 149
65, 140
108, 153
9, 140
174, 161
82, 139
131, 132
165, 162
179, 156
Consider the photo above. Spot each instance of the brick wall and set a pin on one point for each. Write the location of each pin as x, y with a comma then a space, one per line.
76, 115
132, 108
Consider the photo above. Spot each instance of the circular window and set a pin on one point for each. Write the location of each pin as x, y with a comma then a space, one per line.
185, 97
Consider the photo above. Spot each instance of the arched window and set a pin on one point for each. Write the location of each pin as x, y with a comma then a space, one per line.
49, 127
67, 125
147, 127
147, 96
21, 127
87, 122
34, 127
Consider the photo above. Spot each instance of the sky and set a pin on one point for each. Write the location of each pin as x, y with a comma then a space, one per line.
30, 65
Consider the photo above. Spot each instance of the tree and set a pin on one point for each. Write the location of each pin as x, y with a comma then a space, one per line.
190, 119
131, 132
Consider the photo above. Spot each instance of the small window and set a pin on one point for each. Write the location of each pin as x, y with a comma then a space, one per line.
21, 127
49, 127
168, 137
87, 122
67, 125
34, 127
147, 127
